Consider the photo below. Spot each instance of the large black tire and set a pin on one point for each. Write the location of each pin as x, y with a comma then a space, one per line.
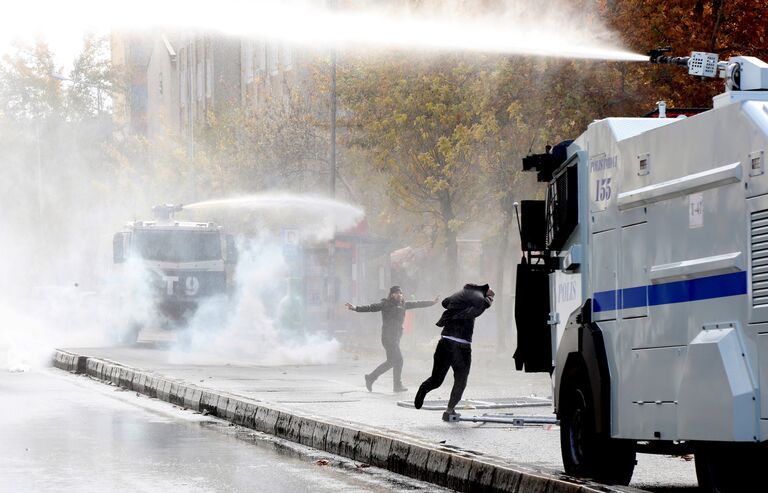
587, 454
183, 338
131, 336
730, 467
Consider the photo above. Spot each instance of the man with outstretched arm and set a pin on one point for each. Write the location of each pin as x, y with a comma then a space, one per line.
392, 315
455, 347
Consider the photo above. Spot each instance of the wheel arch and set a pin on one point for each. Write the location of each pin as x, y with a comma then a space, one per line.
582, 349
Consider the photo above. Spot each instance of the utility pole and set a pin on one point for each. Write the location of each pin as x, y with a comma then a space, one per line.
190, 103
333, 123
331, 282
39, 172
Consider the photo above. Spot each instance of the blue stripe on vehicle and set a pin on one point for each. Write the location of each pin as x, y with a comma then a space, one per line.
704, 288
634, 297
604, 301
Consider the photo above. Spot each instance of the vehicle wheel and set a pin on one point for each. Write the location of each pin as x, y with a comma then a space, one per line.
586, 453
726, 468
184, 338
131, 336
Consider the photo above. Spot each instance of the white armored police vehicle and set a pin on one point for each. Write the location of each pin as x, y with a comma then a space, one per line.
186, 262
644, 285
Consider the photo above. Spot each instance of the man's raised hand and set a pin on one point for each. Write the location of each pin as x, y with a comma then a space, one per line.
349, 306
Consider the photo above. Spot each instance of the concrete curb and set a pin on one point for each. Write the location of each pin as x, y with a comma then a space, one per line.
462, 471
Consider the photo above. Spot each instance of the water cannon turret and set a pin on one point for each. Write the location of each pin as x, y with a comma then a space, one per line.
165, 212
741, 73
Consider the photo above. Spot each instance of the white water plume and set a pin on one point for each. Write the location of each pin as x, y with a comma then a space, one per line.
318, 218
523, 27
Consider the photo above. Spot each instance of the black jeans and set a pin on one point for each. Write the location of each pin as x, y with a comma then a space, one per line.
394, 360
450, 354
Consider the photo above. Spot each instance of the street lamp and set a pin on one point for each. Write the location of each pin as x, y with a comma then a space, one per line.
84, 83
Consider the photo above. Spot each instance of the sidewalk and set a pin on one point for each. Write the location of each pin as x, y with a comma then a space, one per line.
337, 392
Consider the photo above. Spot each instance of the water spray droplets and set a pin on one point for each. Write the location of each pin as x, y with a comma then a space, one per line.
550, 29
319, 218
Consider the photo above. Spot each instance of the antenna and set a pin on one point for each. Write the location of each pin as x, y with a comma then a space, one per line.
516, 205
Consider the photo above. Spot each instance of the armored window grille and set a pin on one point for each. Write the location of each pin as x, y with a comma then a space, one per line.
562, 207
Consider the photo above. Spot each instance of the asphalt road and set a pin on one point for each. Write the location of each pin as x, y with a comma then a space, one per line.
61, 432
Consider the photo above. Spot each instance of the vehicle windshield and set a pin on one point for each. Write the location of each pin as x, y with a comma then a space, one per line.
177, 246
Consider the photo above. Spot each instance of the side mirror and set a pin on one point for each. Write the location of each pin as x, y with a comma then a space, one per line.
119, 247
533, 225
231, 257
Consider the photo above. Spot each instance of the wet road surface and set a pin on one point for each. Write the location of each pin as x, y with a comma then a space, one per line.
63, 432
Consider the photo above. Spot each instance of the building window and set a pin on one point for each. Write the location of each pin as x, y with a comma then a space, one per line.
183, 94
247, 46
272, 62
261, 56
209, 73
286, 56
200, 82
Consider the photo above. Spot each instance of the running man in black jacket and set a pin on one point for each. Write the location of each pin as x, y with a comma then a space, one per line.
392, 315
455, 347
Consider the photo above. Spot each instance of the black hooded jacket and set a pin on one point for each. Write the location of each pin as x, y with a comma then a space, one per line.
461, 310
392, 314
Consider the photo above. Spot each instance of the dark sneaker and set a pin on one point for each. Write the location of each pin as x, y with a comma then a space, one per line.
369, 383
399, 388
451, 416
419, 400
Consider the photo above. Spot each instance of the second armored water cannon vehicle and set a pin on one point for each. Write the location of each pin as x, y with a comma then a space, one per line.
187, 262
644, 285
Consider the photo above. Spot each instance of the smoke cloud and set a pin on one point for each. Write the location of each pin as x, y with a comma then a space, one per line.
246, 327
261, 323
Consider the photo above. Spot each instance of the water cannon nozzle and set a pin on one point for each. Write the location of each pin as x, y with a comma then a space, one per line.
165, 212
657, 56
656, 53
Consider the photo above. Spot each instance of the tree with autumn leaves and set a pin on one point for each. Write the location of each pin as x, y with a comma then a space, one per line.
419, 124
448, 131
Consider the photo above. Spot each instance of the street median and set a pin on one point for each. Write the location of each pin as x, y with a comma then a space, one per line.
402, 454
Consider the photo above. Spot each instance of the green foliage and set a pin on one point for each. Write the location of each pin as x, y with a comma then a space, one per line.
91, 79
27, 90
